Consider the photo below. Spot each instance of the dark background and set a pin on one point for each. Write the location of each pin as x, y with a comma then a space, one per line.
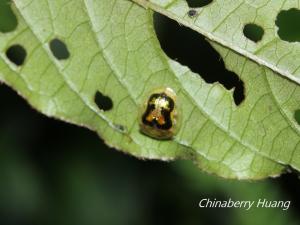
55, 173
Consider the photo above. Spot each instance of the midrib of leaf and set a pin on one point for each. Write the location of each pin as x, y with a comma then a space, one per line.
149, 5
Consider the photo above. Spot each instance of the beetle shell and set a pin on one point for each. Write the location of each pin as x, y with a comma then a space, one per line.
159, 117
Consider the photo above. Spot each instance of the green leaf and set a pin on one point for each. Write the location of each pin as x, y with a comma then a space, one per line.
113, 50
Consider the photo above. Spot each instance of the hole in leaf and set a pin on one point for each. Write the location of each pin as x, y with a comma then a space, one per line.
8, 20
59, 49
288, 24
103, 102
16, 54
198, 3
191, 49
297, 116
253, 32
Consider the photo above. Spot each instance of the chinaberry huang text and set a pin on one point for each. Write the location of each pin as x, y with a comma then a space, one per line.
247, 205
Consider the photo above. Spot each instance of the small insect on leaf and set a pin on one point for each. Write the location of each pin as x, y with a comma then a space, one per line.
159, 117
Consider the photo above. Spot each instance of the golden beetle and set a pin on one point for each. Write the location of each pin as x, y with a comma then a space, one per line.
159, 117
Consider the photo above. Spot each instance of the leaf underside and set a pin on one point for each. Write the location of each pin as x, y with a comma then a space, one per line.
114, 50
